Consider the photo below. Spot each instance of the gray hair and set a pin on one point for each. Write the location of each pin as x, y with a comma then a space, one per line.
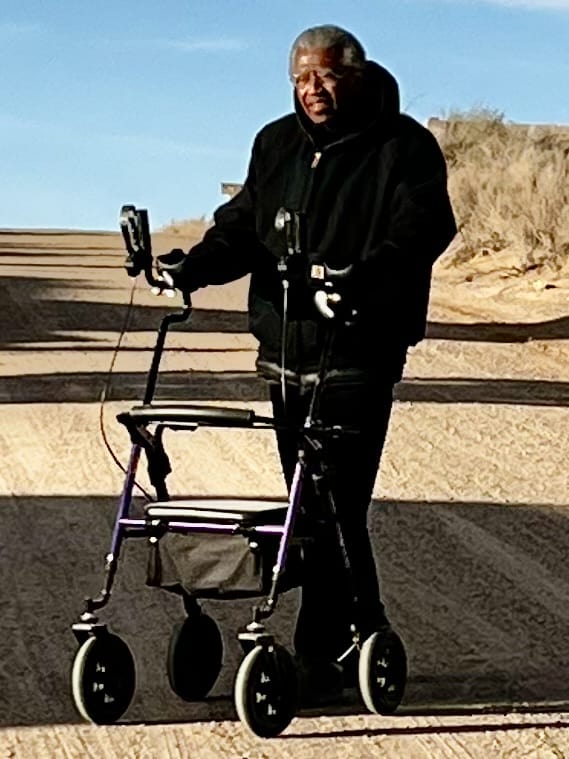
329, 36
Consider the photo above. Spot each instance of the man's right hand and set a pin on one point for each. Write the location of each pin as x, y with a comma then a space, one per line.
174, 268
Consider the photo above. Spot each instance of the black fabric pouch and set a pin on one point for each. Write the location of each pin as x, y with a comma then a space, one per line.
220, 566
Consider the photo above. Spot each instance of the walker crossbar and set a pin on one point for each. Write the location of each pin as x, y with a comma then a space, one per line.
145, 527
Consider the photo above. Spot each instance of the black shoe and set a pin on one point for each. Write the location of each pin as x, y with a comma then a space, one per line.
321, 682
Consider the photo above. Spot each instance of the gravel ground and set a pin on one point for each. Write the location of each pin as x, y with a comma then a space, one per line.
470, 518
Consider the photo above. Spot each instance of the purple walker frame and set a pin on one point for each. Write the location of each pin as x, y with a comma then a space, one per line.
265, 703
187, 416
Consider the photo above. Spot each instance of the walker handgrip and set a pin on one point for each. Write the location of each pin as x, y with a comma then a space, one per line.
213, 416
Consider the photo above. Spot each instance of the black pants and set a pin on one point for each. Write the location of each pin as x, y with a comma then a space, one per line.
333, 598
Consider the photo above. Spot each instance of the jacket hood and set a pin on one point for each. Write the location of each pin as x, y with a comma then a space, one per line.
379, 105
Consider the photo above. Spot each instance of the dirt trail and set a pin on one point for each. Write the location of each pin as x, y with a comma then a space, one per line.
470, 522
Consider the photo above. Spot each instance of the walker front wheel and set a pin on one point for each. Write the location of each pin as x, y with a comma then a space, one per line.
382, 672
266, 690
103, 678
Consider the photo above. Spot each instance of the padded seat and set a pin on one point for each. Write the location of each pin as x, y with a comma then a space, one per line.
222, 510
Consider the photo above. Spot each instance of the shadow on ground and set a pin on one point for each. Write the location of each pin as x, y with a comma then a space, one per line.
479, 592
37, 309
500, 332
86, 387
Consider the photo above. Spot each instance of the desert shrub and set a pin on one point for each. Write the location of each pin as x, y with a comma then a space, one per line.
509, 186
193, 228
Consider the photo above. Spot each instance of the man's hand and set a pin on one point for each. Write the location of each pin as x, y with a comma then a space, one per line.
333, 297
174, 268
327, 303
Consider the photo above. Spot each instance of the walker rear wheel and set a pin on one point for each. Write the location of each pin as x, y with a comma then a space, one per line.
266, 690
195, 657
103, 678
382, 672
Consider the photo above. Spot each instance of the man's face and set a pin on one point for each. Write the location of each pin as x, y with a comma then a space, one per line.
323, 85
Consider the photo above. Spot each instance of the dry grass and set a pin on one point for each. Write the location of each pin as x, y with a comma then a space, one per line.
192, 228
510, 189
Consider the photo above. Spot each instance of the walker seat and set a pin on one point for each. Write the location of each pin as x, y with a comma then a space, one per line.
242, 512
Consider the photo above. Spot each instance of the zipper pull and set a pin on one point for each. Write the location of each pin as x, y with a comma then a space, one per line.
316, 159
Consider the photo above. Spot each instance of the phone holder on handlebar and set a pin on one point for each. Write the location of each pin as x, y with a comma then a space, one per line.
292, 223
136, 235
135, 230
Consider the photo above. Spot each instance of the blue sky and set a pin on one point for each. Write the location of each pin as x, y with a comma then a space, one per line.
155, 102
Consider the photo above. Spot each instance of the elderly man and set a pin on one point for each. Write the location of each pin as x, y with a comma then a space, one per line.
370, 184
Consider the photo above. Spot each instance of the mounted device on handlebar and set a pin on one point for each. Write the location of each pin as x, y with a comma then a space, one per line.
136, 235
292, 223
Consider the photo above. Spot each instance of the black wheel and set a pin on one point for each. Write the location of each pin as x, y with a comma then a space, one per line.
195, 656
103, 678
382, 672
266, 690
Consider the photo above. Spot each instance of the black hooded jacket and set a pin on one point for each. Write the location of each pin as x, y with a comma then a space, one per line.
373, 193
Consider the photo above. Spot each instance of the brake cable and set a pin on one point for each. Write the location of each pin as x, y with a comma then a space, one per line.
292, 224
106, 388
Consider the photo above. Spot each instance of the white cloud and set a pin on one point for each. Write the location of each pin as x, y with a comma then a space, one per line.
219, 45
151, 145
561, 5
12, 30
537, 5
212, 46
62, 132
